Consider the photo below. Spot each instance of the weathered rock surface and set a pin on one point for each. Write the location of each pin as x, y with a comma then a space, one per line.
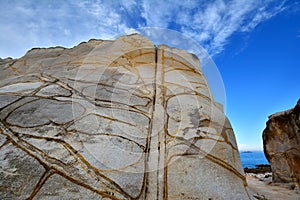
281, 140
116, 119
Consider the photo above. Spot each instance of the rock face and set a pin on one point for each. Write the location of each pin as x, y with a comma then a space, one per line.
282, 145
119, 119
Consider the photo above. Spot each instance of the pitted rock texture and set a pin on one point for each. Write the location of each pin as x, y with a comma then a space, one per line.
281, 140
119, 119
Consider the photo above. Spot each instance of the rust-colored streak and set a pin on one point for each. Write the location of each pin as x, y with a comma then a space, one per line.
40, 183
60, 167
4, 143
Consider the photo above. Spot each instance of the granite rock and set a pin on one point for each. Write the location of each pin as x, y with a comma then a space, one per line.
120, 119
281, 140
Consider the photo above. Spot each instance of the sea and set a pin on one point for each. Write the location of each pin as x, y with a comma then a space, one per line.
252, 158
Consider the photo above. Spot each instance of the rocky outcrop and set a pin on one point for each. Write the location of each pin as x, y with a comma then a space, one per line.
119, 119
5, 61
282, 145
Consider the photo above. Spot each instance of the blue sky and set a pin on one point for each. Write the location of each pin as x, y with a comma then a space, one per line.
254, 44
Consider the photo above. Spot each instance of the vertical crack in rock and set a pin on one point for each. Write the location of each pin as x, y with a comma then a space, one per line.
157, 140
150, 160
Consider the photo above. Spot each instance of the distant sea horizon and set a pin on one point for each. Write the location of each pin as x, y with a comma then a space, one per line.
252, 158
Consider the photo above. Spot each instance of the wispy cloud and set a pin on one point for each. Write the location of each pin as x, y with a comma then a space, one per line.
25, 24
212, 23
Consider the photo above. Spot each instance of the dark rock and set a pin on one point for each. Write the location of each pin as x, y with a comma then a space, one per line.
259, 169
281, 140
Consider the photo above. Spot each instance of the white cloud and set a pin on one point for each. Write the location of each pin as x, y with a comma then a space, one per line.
212, 24
26, 24
263, 14
129, 4
235, 16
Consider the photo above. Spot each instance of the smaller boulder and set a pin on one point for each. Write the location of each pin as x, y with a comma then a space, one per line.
281, 140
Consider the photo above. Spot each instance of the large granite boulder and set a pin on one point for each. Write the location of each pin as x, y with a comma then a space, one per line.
119, 119
281, 140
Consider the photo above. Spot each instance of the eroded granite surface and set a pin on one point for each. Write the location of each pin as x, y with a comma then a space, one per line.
116, 119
